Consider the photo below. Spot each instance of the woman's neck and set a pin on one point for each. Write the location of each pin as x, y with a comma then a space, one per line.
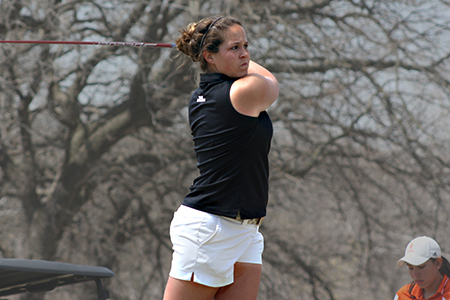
432, 289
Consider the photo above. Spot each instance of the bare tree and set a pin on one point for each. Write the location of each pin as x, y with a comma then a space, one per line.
96, 154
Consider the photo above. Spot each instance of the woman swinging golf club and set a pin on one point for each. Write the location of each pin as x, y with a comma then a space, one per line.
215, 232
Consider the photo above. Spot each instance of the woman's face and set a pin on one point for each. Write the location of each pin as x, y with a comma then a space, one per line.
427, 275
233, 57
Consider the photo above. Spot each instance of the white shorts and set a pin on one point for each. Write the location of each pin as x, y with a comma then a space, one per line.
206, 246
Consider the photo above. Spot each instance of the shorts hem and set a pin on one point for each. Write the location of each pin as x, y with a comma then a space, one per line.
244, 261
201, 278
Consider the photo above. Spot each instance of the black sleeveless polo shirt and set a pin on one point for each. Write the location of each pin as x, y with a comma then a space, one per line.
232, 153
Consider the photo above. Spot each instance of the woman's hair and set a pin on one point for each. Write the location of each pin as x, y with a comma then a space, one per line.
200, 36
444, 270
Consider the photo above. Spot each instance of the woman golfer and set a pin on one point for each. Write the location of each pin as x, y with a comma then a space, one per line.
428, 269
217, 246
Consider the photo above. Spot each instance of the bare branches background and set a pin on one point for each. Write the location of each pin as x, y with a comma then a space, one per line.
96, 154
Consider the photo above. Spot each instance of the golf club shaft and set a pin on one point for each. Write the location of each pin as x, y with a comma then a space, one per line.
128, 44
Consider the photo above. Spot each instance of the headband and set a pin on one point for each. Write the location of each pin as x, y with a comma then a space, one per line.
209, 27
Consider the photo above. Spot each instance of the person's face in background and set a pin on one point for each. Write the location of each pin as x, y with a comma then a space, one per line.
427, 275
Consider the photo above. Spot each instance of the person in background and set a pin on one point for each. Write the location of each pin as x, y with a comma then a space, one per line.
429, 270
217, 246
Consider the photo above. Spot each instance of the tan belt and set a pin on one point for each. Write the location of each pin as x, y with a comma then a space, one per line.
254, 221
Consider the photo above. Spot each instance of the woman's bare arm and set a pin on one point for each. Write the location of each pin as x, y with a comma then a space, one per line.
254, 92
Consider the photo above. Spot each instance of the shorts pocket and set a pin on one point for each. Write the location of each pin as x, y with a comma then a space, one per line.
197, 226
208, 229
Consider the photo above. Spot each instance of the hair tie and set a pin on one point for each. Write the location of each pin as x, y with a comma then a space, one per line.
209, 27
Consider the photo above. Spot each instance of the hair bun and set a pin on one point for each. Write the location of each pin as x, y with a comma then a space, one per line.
187, 42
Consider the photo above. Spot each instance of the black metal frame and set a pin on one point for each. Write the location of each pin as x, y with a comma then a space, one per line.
26, 275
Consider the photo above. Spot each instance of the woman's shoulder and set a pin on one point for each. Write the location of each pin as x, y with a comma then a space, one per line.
403, 293
253, 94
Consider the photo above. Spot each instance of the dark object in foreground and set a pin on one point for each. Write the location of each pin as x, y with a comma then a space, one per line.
23, 275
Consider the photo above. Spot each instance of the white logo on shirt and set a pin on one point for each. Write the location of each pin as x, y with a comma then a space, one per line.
201, 99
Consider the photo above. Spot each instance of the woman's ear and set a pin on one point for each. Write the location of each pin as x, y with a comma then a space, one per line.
439, 262
208, 57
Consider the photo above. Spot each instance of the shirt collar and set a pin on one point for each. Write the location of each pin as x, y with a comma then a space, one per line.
418, 293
